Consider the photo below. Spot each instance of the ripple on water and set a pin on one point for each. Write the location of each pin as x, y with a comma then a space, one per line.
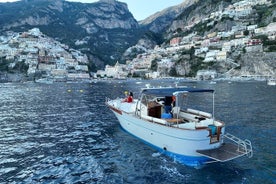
48, 135
63, 170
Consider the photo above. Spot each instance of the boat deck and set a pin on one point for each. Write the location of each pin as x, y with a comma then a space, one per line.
226, 152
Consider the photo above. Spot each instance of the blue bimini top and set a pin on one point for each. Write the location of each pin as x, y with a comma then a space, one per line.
172, 91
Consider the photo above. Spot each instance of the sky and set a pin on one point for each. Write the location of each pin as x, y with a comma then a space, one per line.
140, 9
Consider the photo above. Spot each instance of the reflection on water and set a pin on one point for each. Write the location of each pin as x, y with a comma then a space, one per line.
63, 133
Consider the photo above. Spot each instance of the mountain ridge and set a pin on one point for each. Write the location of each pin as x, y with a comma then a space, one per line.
106, 28
103, 29
160, 20
215, 35
107, 32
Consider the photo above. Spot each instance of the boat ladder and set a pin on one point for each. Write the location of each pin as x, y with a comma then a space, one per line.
244, 146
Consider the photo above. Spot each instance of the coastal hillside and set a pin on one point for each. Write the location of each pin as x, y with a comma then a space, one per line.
33, 56
102, 30
214, 38
203, 39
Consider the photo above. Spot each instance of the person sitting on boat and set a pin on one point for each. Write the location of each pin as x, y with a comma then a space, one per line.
173, 101
129, 98
168, 104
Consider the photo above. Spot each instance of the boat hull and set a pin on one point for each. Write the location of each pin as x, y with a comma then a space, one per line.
180, 144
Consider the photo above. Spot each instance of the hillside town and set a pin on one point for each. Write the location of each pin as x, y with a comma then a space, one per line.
212, 48
45, 58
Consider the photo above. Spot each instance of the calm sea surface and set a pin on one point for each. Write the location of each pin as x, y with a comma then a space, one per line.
64, 133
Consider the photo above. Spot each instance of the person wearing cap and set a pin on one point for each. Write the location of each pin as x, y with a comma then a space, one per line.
129, 98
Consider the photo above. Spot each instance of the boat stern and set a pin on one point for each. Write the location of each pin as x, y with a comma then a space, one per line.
231, 148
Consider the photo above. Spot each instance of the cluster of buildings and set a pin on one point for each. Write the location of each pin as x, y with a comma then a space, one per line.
140, 66
49, 59
213, 47
45, 57
225, 40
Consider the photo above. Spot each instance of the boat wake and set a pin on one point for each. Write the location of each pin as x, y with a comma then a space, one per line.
156, 154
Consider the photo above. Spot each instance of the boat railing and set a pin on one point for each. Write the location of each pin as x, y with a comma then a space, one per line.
244, 146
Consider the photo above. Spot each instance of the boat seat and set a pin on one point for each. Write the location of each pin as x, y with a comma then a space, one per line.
188, 116
199, 113
153, 119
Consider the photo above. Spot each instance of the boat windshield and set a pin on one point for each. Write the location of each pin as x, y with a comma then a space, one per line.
199, 101
148, 98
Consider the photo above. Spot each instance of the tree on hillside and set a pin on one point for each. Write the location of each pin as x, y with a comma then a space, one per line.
154, 65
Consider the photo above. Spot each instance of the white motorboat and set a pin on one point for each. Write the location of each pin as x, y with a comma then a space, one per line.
163, 118
271, 82
45, 81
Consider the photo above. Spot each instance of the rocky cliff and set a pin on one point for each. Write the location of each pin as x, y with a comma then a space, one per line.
199, 33
106, 30
103, 29
207, 19
256, 64
159, 21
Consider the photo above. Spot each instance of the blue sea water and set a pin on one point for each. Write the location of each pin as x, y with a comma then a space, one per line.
64, 133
